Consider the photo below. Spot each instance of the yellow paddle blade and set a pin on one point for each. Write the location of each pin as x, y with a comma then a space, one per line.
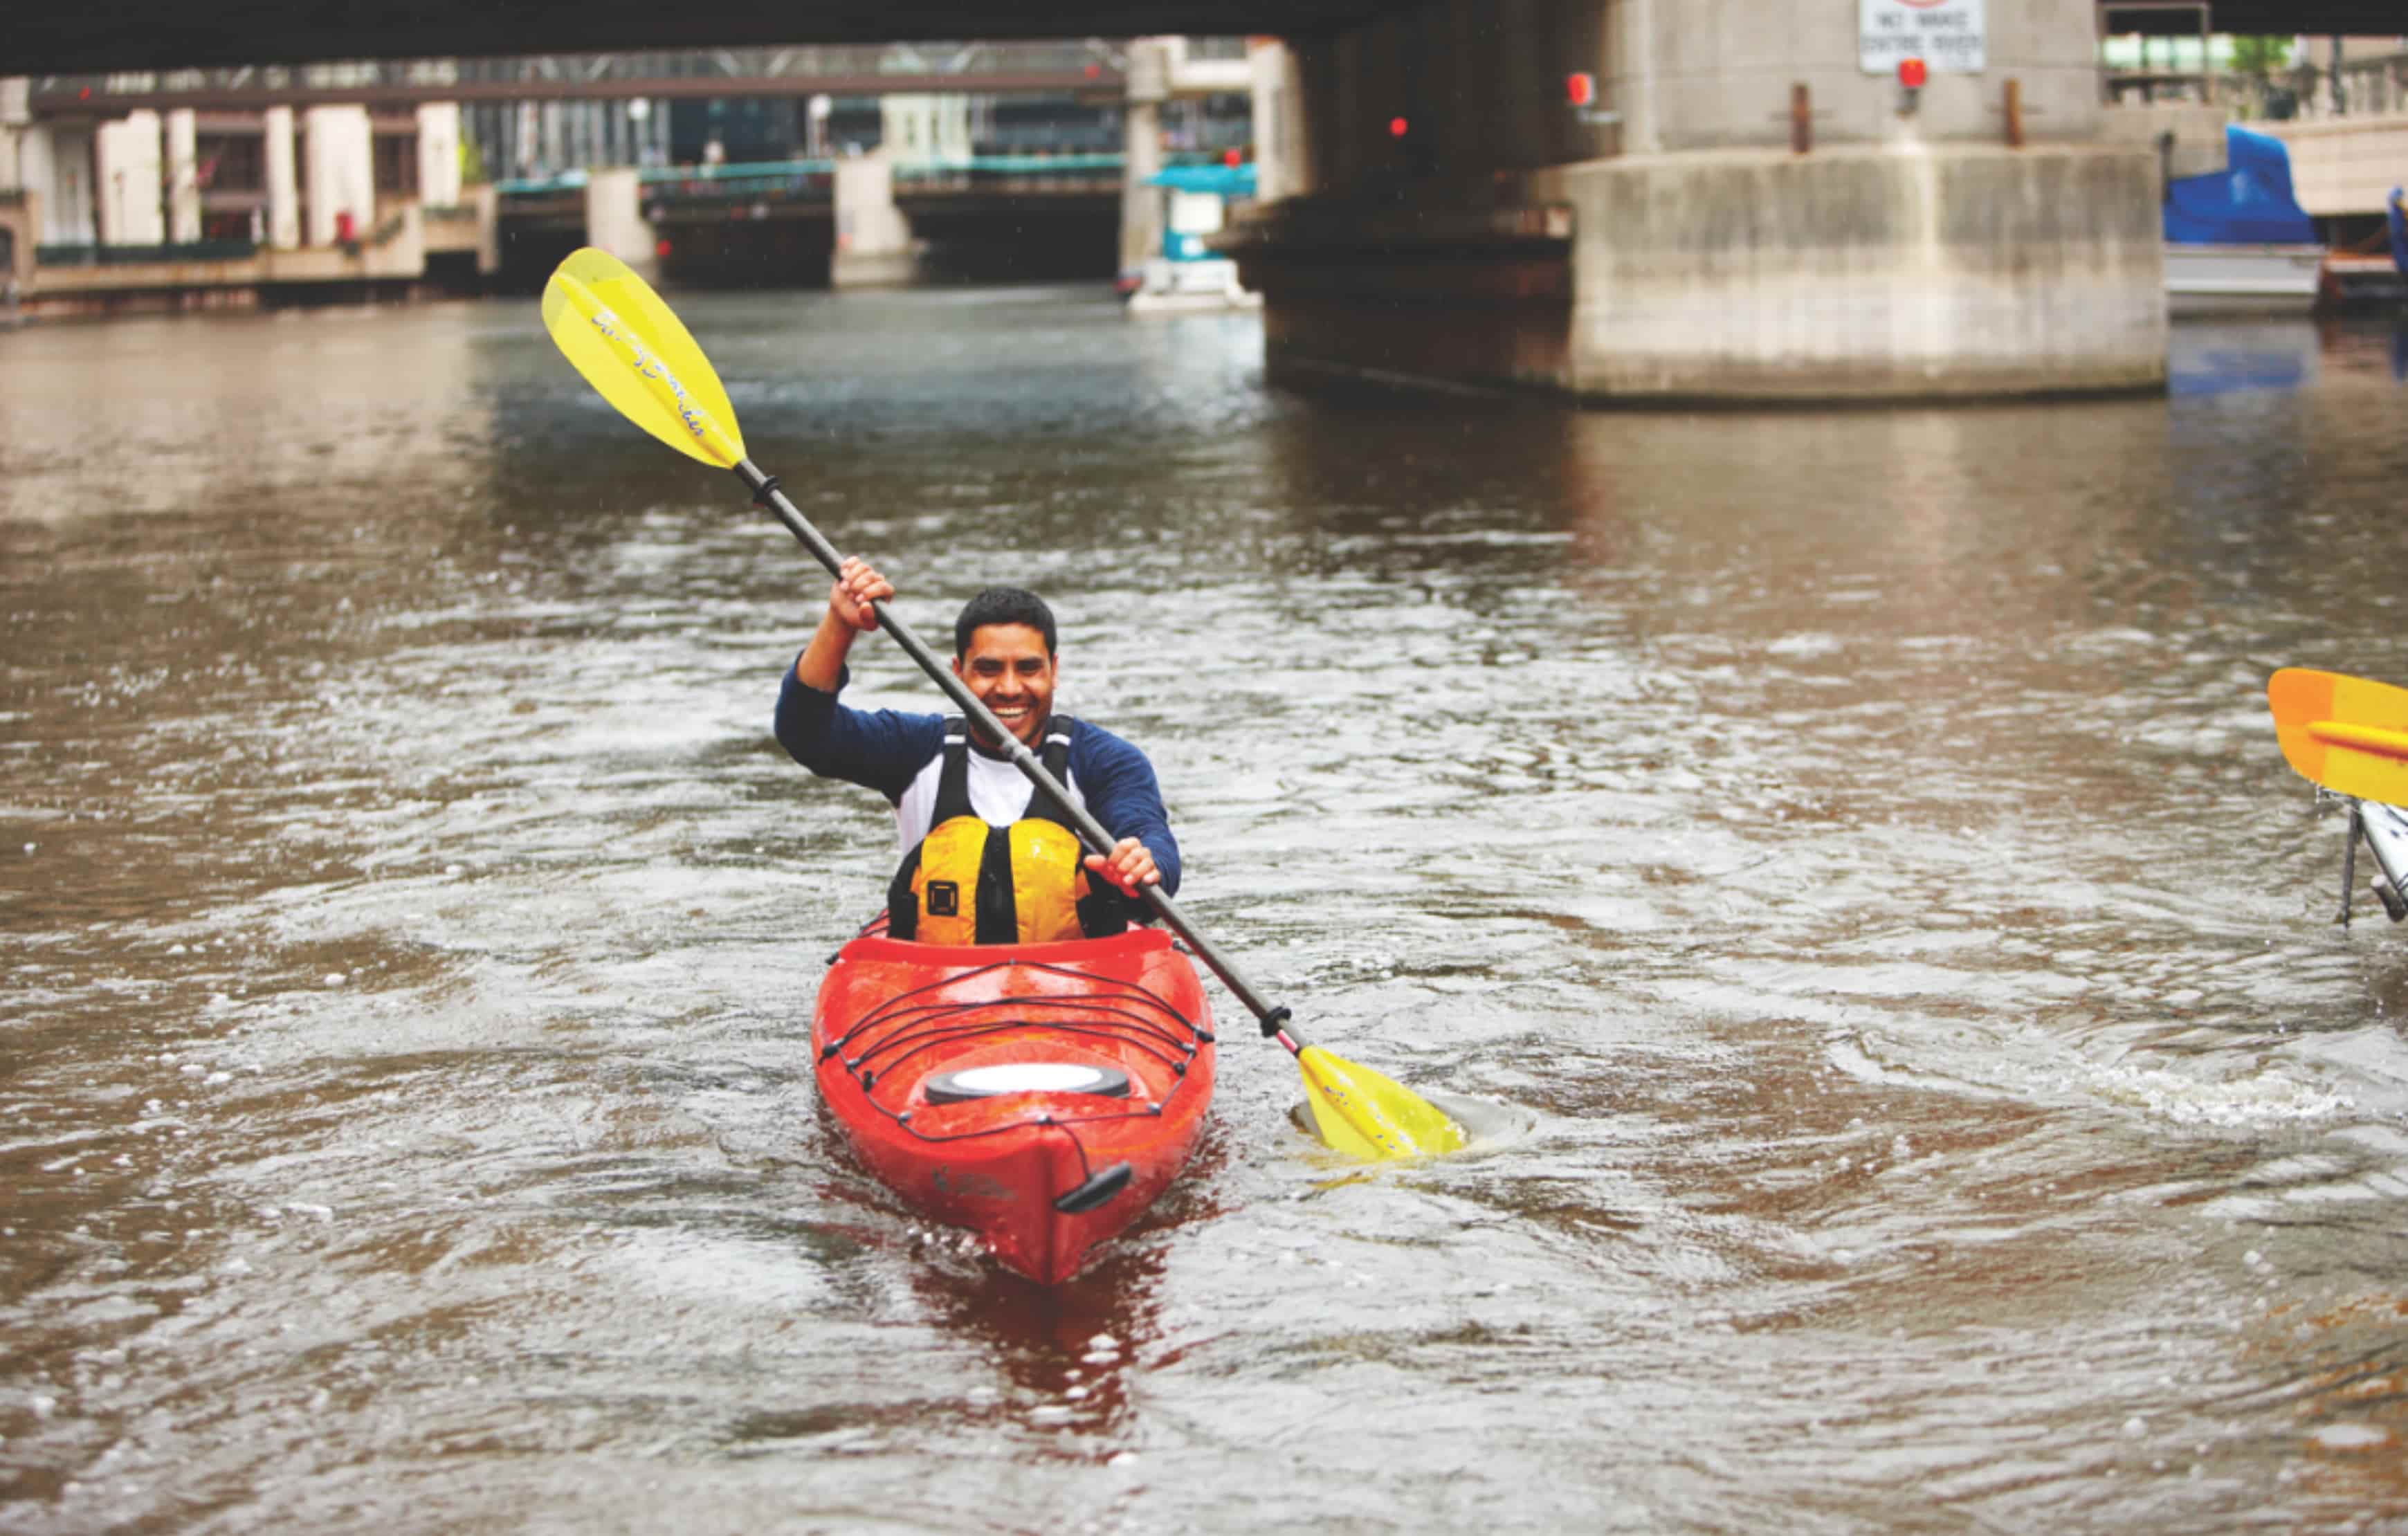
610, 323
2344, 733
1366, 1115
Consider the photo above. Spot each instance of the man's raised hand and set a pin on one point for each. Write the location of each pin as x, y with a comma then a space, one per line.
857, 587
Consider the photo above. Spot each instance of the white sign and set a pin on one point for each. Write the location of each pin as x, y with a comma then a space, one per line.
1946, 35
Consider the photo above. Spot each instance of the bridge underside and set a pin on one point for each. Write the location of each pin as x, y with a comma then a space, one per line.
113, 35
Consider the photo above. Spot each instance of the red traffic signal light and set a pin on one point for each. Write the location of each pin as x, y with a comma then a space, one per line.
1580, 88
1397, 127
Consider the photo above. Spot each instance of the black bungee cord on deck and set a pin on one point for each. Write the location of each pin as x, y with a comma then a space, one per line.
922, 1018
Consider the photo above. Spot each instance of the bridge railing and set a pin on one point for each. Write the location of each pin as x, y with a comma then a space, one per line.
1011, 172
772, 178
553, 75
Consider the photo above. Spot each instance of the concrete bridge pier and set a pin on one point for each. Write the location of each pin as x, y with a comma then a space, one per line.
183, 178
21, 229
874, 248
53, 163
283, 180
1742, 211
1146, 87
615, 222
1158, 70
126, 154
439, 154
341, 174
1865, 272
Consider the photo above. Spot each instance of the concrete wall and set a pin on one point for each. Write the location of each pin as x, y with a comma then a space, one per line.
393, 263
1481, 83
1866, 274
2188, 138
1718, 75
471, 222
2347, 165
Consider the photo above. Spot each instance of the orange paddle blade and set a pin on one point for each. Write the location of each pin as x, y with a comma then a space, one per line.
2348, 734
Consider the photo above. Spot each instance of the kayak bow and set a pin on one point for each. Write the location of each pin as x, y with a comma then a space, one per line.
1040, 1095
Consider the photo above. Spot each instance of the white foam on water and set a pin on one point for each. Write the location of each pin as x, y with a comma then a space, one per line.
2262, 1099
2351, 1437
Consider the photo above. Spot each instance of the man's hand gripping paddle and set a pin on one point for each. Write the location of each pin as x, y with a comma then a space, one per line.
616, 331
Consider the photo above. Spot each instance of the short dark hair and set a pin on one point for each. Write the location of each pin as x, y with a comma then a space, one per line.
1003, 605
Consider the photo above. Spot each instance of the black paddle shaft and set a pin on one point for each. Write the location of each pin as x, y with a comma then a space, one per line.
767, 494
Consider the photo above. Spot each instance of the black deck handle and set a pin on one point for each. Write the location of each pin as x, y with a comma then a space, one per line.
1100, 1187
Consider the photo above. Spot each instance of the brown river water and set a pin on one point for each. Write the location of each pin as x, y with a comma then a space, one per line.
1842, 861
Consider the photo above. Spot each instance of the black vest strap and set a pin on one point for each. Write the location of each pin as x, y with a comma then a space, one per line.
1055, 756
953, 779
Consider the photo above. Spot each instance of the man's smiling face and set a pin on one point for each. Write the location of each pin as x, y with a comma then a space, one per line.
1009, 670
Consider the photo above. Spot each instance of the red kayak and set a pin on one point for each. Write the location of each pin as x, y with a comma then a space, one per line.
1040, 1095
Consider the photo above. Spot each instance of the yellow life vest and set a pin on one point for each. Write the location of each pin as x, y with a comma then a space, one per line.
971, 882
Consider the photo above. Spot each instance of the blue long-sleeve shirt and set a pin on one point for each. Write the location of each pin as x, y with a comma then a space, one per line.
899, 754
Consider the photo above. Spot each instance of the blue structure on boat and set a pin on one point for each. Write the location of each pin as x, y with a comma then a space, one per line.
2248, 203
2395, 209
1228, 183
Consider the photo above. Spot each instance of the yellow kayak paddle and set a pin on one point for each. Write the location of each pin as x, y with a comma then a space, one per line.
2350, 736
2347, 734
631, 348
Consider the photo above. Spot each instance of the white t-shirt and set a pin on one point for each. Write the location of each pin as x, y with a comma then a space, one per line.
999, 793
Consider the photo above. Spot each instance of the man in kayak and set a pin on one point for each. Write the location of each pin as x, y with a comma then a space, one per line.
987, 859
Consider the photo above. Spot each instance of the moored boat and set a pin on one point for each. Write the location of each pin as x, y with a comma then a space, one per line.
1040, 1095
1186, 274
2243, 279
2236, 241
